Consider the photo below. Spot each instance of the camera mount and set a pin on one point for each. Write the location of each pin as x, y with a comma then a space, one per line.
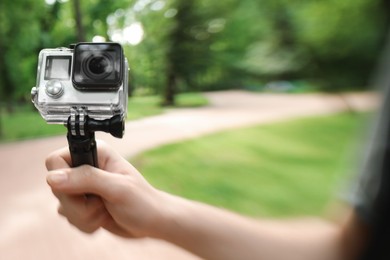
81, 135
85, 88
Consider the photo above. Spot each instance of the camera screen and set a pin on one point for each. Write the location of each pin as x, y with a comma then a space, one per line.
57, 67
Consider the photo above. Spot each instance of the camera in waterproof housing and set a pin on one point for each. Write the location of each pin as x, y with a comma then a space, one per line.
89, 76
84, 87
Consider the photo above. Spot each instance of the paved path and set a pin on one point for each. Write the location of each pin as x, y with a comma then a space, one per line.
29, 225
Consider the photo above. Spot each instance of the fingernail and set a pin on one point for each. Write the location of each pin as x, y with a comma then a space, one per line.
56, 177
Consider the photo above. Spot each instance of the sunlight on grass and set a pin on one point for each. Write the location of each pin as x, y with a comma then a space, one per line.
290, 168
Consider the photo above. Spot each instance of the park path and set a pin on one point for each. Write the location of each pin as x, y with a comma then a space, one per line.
29, 225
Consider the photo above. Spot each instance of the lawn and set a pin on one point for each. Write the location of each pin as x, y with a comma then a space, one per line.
25, 121
282, 169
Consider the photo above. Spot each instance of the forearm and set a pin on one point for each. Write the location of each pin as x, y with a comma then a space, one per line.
130, 207
213, 233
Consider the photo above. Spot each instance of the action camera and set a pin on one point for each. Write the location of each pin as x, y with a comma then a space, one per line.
84, 87
91, 77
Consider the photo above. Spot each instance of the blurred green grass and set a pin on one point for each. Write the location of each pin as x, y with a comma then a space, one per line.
282, 169
25, 122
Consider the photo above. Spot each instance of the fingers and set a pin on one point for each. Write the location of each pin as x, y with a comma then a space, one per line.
86, 213
113, 186
69, 185
107, 157
59, 159
113, 227
83, 180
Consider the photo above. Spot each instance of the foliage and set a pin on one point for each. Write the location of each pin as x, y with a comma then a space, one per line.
280, 169
225, 44
344, 45
19, 38
202, 44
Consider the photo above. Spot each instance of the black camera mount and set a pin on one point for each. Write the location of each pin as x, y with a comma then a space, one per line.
81, 135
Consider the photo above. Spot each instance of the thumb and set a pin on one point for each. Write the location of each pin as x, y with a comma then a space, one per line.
81, 180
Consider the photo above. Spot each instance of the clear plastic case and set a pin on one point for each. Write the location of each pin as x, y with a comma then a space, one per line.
55, 95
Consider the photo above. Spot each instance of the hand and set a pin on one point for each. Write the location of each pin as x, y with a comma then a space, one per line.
123, 203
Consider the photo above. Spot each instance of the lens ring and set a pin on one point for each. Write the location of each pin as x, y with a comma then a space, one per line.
98, 66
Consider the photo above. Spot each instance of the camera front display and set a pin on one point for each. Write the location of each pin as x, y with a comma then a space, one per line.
58, 67
89, 79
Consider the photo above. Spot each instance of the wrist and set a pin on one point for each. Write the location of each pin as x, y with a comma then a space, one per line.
170, 211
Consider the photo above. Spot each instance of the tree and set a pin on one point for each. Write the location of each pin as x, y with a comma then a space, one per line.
188, 54
179, 39
202, 44
333, 44
342, 47
18, 45
79, 21
97, 13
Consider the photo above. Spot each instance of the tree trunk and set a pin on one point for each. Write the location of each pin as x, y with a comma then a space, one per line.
79, 21
1, 123
170, 88
6, 86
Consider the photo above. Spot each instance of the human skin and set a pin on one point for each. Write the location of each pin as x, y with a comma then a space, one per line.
117, 198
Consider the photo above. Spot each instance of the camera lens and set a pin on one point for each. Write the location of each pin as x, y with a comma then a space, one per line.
98, 66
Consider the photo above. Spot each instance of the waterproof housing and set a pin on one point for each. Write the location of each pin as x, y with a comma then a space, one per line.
87, 78
85, 88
